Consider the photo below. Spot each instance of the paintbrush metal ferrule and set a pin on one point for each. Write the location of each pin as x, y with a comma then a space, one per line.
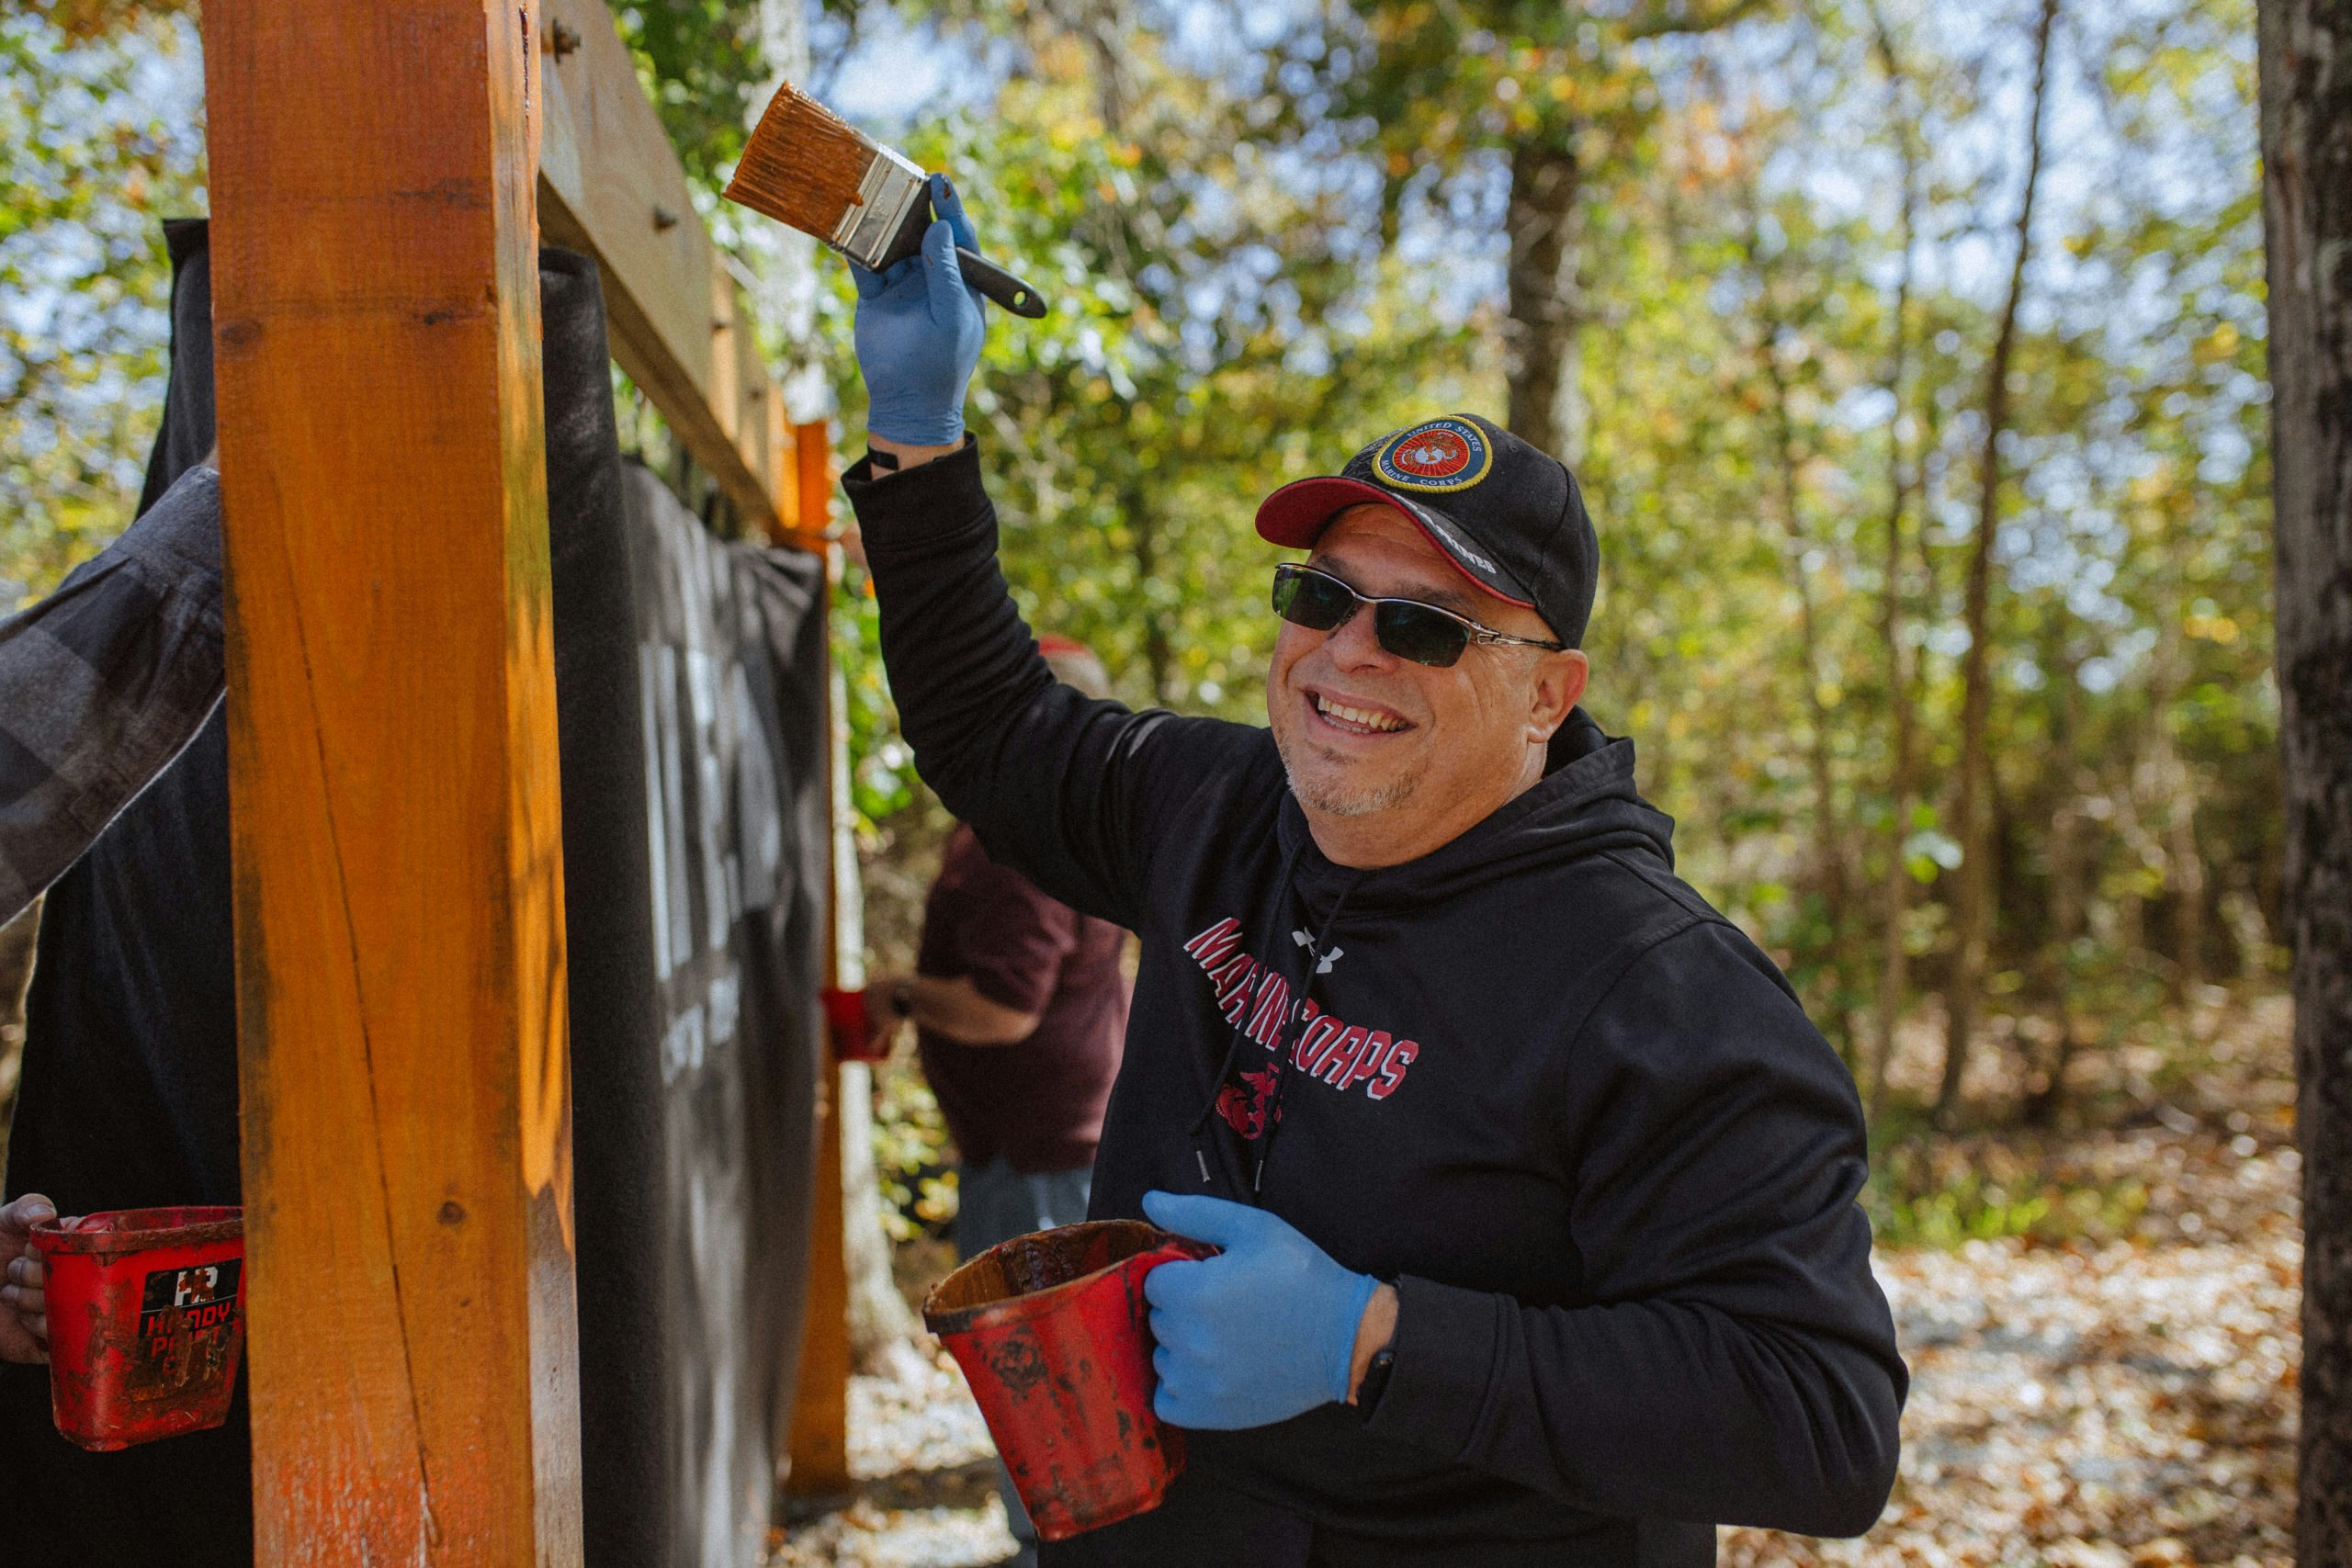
889, 192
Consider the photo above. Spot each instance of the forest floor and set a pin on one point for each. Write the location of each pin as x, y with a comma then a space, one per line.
2103, 1371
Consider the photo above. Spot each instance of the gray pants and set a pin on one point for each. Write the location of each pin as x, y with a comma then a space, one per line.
994, 1203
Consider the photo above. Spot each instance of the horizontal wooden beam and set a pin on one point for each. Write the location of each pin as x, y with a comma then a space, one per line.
611, 186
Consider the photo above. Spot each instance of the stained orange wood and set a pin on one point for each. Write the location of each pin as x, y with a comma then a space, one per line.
811, 505
783, 462
813, 443
611, 186
819, 1442
394, 808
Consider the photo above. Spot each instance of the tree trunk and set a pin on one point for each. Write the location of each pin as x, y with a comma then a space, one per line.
1159, 648
2175, 789
2068, 905
2306, 67
1540, 340
1973, 906
1894, 891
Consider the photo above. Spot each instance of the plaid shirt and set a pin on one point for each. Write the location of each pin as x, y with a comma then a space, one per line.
103, 682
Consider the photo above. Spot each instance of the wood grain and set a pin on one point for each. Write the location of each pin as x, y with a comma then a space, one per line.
820, 1445
819, 1442
394, 808
611, 188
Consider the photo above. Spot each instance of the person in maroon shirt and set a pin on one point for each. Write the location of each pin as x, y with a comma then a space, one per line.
1020, 1006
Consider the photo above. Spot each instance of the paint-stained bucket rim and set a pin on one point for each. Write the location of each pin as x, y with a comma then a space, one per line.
943, 1321
142, 1230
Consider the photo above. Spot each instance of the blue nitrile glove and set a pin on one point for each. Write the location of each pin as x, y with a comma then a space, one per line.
918, 331
1260, 1331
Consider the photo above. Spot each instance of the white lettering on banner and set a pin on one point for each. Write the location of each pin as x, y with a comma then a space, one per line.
684, 1045
648, 681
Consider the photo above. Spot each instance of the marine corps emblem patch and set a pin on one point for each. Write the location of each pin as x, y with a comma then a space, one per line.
1438, 455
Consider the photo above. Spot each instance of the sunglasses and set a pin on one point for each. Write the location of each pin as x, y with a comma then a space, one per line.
1405, 627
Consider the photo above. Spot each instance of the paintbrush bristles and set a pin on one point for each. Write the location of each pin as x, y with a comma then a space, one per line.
803, 164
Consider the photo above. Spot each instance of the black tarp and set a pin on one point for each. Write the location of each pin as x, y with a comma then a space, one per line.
692, 1146
738, 896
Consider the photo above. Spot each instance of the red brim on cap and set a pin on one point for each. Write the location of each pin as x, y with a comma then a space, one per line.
1297, 514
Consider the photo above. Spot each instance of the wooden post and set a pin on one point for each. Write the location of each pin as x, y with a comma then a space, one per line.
611, 185
392, 734
820, 1411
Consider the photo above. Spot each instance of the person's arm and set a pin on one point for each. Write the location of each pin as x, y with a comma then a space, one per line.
999, 944
103, 682
952, 1007
1738, 1363
1064, 788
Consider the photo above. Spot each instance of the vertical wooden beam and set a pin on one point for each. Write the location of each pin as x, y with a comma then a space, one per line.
395, 819
821, 1413
820, 1407
785, 471
813, 470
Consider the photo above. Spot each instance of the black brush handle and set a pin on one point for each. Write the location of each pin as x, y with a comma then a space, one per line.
991, 281
995, 283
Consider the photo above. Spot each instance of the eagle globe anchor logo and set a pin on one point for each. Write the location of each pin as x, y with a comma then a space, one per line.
1438, 455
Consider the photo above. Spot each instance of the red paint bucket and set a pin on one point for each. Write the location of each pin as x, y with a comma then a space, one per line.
1054, 1335
146, 1321
847, 1021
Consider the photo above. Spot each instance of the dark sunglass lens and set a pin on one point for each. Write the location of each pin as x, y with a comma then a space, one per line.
1310, 600
1421, 635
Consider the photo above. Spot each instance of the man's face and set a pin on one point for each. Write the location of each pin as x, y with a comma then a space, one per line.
1426, 751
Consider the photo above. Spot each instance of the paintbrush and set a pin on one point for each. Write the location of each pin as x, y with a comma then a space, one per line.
806, 166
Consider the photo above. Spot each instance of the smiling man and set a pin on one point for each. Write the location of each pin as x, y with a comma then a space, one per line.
1535, 1188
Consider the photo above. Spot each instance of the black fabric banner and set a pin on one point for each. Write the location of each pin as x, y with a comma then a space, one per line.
727, 819
691, 717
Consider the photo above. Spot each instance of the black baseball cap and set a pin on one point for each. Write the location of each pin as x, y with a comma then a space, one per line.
1508, 516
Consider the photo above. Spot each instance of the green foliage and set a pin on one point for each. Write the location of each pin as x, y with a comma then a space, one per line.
1196, 359
1442, 82
1925, 1194
700, 60
101, 134
1266, 247
913, 1156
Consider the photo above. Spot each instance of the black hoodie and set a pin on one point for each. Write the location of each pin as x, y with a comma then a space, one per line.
1535, 1081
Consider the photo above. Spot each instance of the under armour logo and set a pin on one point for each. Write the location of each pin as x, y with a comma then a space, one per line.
1323, 961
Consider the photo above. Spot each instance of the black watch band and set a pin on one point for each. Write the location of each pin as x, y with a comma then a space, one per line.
1375, 1381
887, 462
903, 998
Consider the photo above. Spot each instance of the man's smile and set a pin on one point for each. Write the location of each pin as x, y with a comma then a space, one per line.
1357, 717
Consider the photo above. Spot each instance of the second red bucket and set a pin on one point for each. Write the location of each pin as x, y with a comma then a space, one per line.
1054, 1335
146, 1322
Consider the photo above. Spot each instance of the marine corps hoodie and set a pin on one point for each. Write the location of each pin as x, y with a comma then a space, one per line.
1532, 1078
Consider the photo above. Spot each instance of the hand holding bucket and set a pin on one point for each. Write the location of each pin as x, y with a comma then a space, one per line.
146, 1321
1053, 1333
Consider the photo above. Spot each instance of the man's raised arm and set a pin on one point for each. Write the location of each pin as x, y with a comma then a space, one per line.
1062, 787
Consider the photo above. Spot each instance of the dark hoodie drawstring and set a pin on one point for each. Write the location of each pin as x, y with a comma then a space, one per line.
1315, 948
1271, 934
1241, 1031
